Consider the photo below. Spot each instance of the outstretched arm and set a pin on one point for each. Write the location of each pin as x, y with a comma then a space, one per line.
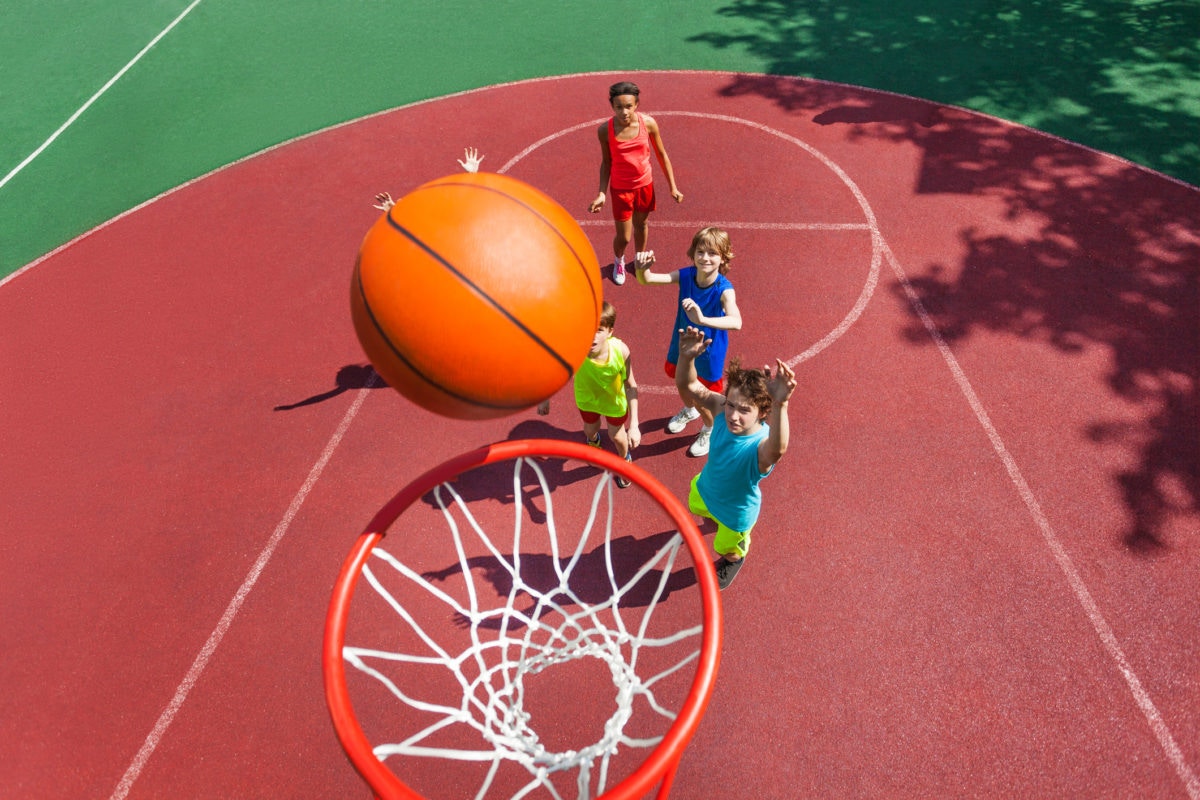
780, 386
691, 344
648, 277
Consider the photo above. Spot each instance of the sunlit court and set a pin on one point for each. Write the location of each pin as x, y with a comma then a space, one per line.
237, 563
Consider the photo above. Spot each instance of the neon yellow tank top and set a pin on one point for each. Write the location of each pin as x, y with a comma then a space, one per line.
600, 387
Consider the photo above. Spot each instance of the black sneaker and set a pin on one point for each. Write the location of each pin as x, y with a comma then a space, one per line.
727, 570
622, 481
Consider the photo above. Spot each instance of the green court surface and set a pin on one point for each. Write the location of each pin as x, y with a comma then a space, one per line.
226, 80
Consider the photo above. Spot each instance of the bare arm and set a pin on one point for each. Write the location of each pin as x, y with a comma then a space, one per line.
631, 394
691, 344
732, 321
605, 169
780, 386
664, 161
647, 276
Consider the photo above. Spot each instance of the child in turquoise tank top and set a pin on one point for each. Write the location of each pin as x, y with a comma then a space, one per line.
750, 435
605, 387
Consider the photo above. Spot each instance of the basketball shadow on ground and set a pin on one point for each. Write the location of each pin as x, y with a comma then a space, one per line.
589, 579
348, 378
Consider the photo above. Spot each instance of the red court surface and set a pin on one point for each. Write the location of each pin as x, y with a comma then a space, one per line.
975, 573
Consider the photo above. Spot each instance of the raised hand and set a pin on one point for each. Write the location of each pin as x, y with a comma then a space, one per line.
384, 201
692, 342
780, 385
643, 261
473, 160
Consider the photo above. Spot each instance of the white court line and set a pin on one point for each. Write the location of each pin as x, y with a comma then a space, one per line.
751, 226
235, 605
1107, 637
70, 120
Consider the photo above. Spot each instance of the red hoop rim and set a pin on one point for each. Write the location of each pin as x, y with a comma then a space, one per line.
660, 765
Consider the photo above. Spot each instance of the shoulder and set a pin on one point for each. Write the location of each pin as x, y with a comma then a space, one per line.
650, 123
620, 346
603, 129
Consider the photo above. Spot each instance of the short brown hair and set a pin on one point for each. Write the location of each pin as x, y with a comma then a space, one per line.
752, 383
608, 316
718, 240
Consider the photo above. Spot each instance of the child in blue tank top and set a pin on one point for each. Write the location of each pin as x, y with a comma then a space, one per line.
750, 434
706, 301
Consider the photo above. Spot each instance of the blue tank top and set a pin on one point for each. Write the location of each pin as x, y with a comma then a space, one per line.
711, 364
728, 484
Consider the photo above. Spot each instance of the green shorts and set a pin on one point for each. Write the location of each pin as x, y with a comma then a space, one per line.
727, 541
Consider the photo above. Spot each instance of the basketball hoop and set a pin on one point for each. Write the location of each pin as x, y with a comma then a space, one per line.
422, 636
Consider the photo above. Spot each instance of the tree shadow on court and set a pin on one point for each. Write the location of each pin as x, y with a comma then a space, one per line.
349, 378
1106, 259
1120, 77
1102, 257
589, 581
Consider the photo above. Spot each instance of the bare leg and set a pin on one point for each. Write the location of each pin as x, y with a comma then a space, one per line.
620, 439
625, 232
641, 230
591, 430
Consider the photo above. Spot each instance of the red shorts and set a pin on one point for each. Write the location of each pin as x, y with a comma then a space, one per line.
591, 416
714, 386
627, 201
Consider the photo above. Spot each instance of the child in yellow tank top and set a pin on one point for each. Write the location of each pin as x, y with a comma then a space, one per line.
605, 387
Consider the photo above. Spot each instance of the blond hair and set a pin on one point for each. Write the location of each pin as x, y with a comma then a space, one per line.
718, 240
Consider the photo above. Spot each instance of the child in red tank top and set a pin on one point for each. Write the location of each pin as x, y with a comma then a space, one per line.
625, 144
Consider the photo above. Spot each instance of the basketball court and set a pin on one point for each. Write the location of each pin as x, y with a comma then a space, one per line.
975, 570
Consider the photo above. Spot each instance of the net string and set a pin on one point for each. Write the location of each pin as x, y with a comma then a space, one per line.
492, 700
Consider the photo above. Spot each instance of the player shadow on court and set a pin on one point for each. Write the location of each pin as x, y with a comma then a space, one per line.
348, 379
657, 442
495, 481
589, 579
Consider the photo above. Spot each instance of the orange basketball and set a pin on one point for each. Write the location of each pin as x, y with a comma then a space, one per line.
476, 296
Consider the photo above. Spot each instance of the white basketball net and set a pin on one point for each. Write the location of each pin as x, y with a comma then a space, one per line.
509, 644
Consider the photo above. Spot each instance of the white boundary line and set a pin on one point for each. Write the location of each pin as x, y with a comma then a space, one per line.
79, 112
1107, 637
210, 647
750, 226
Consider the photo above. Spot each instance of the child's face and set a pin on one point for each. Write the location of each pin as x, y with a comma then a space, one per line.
741, 415
708, 259
624, 108
602, 334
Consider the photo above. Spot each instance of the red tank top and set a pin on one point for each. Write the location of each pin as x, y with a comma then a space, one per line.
631, 159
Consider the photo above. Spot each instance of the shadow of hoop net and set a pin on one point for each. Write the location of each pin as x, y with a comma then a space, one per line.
518, 626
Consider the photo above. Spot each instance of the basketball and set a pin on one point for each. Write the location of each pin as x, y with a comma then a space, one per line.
476, 296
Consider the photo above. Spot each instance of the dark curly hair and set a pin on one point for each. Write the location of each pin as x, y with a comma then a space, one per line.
624, 87
752, 383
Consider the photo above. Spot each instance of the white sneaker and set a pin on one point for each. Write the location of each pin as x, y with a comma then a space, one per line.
680, 420
618, 272
700, 446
